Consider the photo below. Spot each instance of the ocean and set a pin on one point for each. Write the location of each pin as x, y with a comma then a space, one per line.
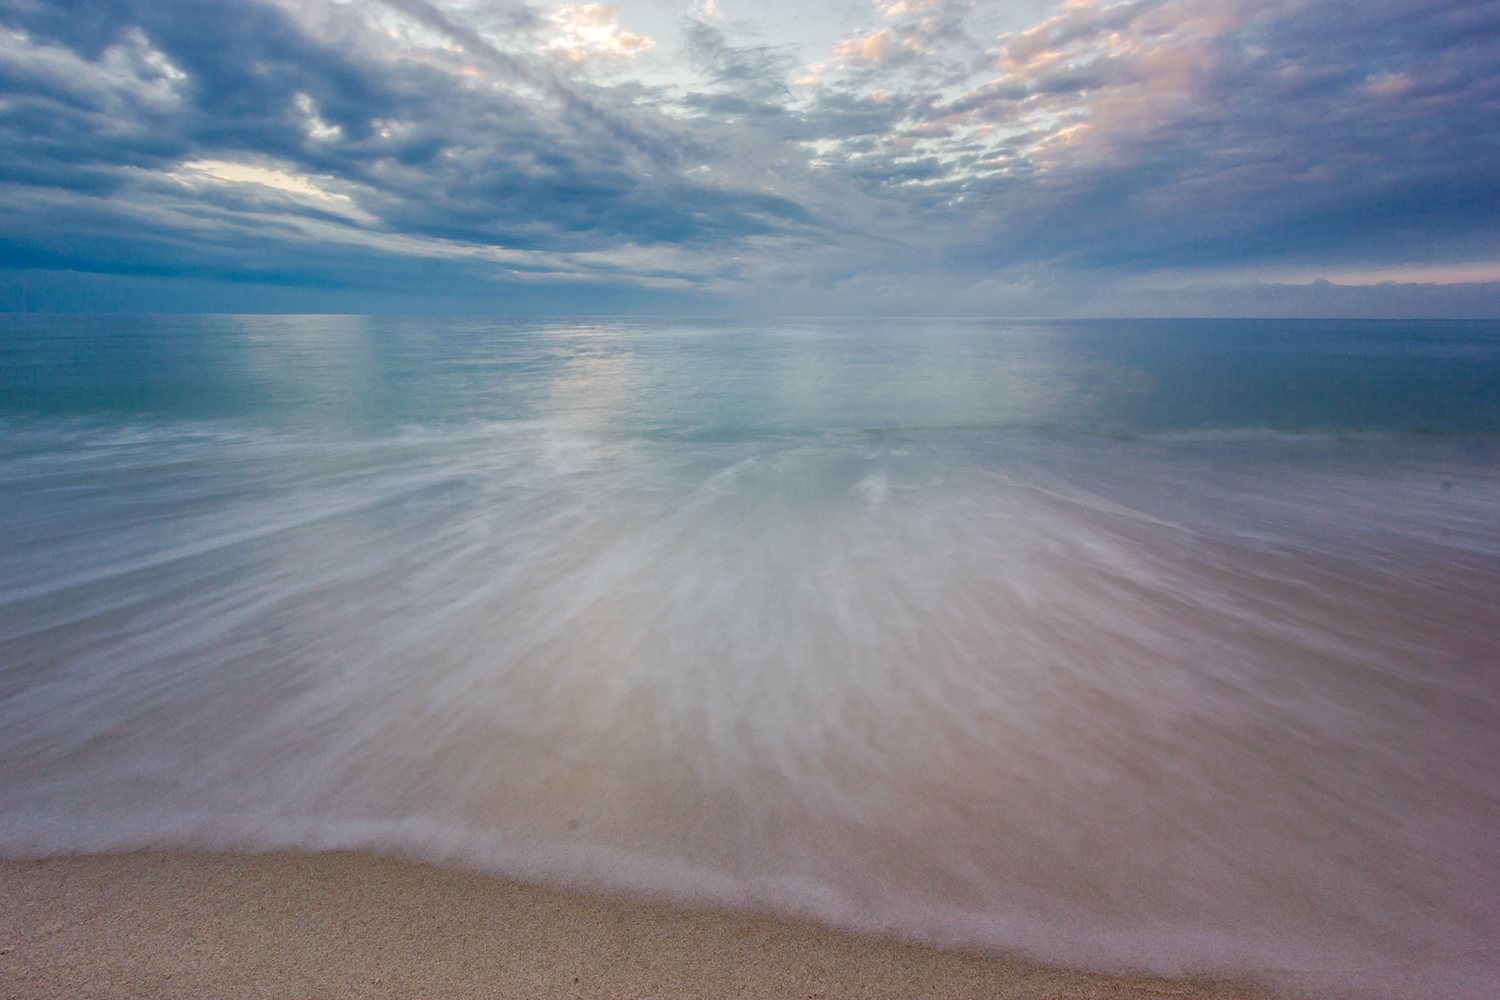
1169, 646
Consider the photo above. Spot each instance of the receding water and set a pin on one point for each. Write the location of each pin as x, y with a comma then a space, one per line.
1122, 645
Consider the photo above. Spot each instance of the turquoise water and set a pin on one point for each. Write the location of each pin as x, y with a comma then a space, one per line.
1163, 646
695, 379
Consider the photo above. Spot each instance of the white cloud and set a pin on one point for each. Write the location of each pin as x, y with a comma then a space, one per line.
317, 128
590, 31
281, 180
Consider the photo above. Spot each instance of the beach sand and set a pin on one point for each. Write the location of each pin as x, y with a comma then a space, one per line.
344, 924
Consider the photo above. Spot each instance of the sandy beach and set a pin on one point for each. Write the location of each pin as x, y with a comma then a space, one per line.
285, 925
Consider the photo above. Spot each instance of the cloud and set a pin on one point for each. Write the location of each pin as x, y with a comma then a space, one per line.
280, 180
349, 143
372, 128
927, 39
755, 72
1154, 132
590, 31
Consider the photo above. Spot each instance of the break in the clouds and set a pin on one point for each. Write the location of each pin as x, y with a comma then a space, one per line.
1204, 156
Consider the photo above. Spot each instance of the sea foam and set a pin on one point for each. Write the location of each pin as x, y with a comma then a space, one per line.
1201, 706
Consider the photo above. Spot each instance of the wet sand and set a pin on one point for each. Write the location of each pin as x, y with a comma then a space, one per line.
168, 924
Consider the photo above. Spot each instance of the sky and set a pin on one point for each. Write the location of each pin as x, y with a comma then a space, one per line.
900, 157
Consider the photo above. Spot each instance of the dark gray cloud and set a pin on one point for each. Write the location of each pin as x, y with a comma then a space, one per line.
310, 145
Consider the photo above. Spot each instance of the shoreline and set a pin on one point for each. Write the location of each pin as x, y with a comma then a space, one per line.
351, 924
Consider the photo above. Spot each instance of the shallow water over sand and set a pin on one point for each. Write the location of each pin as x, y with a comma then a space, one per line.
671, 610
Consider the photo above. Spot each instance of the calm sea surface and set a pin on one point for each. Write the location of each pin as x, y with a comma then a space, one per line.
1170, 646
